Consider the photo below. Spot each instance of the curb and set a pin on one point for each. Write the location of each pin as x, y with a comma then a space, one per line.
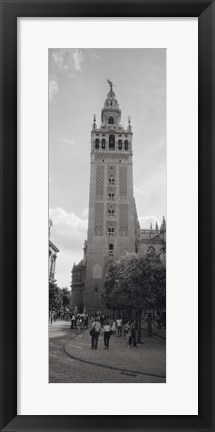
111, 367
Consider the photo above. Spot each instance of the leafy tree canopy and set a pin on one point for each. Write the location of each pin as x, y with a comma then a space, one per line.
58, 298
136, 281
66, 297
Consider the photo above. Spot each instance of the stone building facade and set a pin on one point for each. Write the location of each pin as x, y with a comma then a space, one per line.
154, 240
53, 251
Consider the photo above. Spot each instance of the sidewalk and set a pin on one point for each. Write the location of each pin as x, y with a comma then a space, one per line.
156, 332
148, 358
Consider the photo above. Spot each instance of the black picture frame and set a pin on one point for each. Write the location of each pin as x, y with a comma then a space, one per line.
10, 11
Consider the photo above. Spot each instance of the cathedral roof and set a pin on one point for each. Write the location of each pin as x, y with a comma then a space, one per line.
79, 265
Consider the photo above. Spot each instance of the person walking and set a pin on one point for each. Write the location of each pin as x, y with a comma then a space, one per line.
94, 332
119, 327
133, 334
86, 321
73, 322
113, 328
102, 319
78, 326
107, 334
128, 333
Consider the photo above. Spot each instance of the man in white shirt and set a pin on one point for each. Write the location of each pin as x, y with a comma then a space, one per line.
96, 327
119, 327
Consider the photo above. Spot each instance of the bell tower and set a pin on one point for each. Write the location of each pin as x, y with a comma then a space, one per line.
112, 212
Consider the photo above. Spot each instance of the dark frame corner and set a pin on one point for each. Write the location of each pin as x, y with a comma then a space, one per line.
10, 11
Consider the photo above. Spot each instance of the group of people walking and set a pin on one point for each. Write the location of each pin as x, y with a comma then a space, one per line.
79, 322
108, 330
102, 326
96, 330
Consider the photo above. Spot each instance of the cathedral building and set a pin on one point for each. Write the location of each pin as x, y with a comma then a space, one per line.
154, 240
78, 283
113, 227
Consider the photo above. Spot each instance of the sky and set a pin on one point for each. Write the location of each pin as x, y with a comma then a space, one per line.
77, 89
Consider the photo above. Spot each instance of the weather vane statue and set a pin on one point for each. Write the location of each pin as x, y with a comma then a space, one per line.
110, 84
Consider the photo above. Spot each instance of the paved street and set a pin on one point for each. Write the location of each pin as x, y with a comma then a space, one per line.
72, 360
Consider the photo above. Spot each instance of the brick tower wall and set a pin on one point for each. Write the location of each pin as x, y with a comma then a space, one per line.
111, 218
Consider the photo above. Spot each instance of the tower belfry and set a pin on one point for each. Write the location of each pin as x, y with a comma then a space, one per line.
111, 223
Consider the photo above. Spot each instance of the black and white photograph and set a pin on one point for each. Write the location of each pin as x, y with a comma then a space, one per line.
107, 215
107, 166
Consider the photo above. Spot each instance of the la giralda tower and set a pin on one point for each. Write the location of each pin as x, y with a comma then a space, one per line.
112, 223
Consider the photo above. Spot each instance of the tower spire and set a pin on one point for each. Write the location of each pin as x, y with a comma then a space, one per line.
111, 113
163, 225
129, 123
94, 121
156, 227
110, 84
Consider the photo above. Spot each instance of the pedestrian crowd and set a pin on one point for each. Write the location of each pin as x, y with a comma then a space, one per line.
101, 326
79, 322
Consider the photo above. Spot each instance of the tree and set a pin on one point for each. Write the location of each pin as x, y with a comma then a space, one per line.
58, 298
136, 282
55, 297
66, 298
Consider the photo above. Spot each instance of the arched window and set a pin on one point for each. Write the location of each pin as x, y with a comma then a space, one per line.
112, 142
111, 180
111, 119
126, 144
120, 144
97, 143
110, 247
103, 143
111, 196
111, 233
111, 211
